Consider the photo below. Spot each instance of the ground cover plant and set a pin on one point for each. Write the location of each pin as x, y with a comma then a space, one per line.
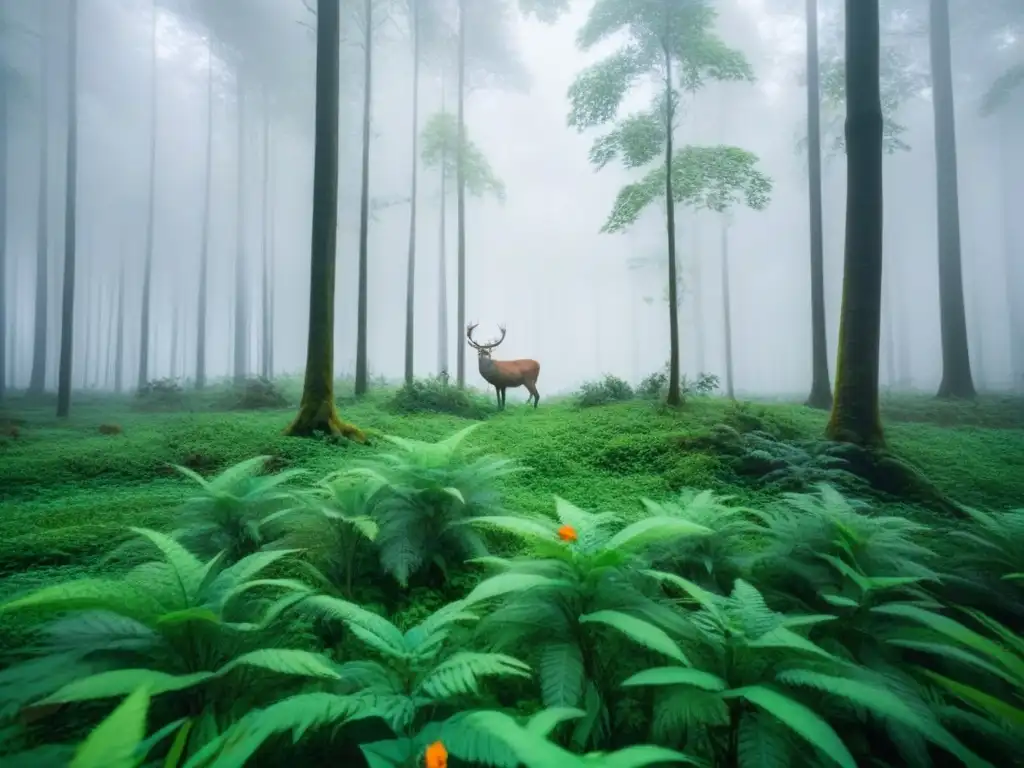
194, 590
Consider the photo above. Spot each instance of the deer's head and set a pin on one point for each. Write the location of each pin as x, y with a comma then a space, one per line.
483, 350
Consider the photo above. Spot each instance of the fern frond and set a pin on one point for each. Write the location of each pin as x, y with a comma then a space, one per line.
462, 673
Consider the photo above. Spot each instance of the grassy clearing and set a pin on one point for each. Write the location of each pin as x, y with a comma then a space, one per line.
67, 490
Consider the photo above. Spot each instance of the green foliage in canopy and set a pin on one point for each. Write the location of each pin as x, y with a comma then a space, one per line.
439, 141
661, 35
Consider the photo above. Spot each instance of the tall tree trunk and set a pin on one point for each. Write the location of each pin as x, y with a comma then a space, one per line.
727, 311
821, 394
119, 358
273, 263
13, 325
956, 361
888, 333
460, 196
698, 303
362, 382
1013, 249
4, 130
175, 328
37, 382
88, 313
267, 328
674, 396
442, 279
317, 412
147, 275
110, 337
204, 246
241, 347
67, 325
855, 417
410, 278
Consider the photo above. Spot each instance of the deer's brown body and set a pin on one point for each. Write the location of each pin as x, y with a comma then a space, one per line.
502, 374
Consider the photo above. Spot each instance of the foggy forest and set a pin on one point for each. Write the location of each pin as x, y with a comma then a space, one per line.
750, 269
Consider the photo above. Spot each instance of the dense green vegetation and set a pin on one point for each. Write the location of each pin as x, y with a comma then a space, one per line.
317, 604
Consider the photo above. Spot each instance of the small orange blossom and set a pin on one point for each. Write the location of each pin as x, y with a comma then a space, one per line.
436, 756
567, 533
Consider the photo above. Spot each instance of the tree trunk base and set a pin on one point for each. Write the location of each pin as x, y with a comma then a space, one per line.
956, 391
322, 418
820, 398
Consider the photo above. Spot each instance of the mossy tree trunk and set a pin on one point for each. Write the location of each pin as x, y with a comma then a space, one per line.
821, 394
855, 417
317, 412
674, 395
956, 361
147, 275
204, 245
362, 383
4, 112
67, 324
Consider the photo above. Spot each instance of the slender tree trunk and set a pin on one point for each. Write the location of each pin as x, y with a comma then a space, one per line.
727, 312
956, 361
204, 246
267, 329
362, 383
460, 199
13, 325
442, 279
241, 346
37, 382
317, 412
1013, 249
273, 263
71, 186
147, 276
175, 328
4, 129
821, 394
88, 313
410, 279
698, 303
674, 396
855, 416
888, 333
110, 338
119, 358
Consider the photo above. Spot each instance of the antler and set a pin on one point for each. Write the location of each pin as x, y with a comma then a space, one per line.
477, 345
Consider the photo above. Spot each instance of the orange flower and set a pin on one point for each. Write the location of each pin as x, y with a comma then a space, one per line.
436, 756
567, 533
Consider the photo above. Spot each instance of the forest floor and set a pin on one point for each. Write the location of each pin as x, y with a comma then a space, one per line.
68, 492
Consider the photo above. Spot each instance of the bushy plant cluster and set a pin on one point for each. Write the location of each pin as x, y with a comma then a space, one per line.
161, 393
436, 394
253, 393
610, 389
692, 632
655, 385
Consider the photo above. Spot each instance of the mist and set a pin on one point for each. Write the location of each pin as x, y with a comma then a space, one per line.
581, 302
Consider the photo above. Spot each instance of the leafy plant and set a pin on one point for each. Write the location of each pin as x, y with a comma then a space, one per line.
184, 629
428, 490
422, 671
582, 575
232, 512
779, 465
610, 389
440, 148
437, 395
254, 393
161, 393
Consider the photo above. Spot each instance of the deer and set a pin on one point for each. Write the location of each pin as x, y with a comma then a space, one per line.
502, 374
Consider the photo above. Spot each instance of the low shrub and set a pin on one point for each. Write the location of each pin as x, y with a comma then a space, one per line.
253, 394
161, 393
610, 389
437, 395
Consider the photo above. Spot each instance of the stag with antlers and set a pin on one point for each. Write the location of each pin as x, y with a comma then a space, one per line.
502, 374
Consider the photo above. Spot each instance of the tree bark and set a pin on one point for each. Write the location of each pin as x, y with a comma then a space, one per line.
266, 326
317, 412
119, 346
674, 395
40, 339
241, 335
821, 395
1012, 252
956, 361
204, 246
460, 200
442, 279
147, 276
727, 312
855, 416
410, 278
362, 383
67, 326
4, 130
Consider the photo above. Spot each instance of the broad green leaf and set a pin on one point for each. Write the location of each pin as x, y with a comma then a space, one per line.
655, 529
113, 742
660, 676
545, 721
641, 756
286, 662
121, 597
120, 682
523, 527
639, 631
986, 702
780, 637
507, 583
800, 719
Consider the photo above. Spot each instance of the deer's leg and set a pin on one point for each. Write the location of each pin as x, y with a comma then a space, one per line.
497, 394
502, 395
534, 395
